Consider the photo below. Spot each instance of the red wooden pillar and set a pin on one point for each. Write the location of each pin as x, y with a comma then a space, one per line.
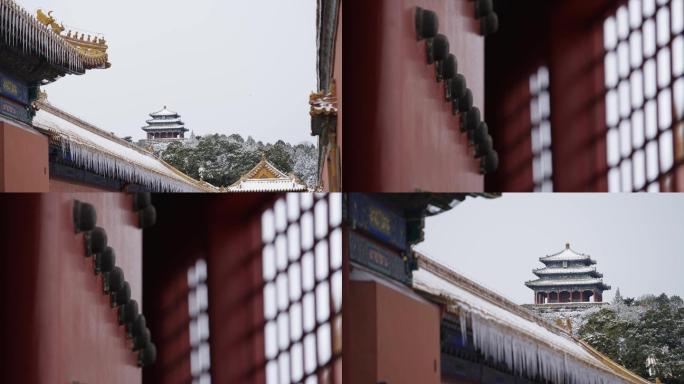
235, 294
226, 232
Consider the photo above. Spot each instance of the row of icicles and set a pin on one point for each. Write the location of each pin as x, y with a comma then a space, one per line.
21, 30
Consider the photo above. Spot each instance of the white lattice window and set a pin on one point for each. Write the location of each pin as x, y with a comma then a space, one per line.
302, 272
644, 69
540, 111
198, 302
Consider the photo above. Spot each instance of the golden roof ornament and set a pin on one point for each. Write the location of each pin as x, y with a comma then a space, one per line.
90, 46
49, 21
324, 103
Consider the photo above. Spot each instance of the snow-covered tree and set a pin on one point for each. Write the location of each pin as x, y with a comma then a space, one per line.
650, 328
223, 159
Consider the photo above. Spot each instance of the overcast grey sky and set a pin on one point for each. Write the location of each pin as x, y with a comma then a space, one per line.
636, 239
226, 66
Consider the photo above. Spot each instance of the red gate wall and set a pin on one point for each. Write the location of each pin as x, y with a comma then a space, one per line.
57, 324
399, 133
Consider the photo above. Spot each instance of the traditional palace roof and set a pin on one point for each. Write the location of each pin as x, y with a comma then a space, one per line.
39, 50
265, 177
567, 268
165, 120
510, 334
566, 255
97, 151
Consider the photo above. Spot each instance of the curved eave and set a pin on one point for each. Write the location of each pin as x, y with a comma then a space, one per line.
549, 259
165, 121
541, 273
158, 129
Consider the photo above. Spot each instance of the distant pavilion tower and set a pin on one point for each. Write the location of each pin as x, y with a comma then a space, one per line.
165, 125
568, 277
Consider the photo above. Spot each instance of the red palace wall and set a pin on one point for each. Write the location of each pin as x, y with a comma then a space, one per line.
402, 134
236, 290
23, 159
57, 326
337, 78
388, 331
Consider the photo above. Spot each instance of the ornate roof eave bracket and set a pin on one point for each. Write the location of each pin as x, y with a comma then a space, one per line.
323, 111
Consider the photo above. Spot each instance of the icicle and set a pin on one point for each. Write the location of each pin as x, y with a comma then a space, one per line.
463, 324
107, 166
523, 355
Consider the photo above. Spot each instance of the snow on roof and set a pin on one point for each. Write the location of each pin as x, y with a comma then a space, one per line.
567, 255
265, 164
267, 185
164, 120
107, 155
509, 333
568, 270
323, 103
163, 112
561, 282
164, 127
258, 180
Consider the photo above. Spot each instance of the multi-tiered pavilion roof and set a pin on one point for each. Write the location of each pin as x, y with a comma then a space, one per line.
165, 124
568, 276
